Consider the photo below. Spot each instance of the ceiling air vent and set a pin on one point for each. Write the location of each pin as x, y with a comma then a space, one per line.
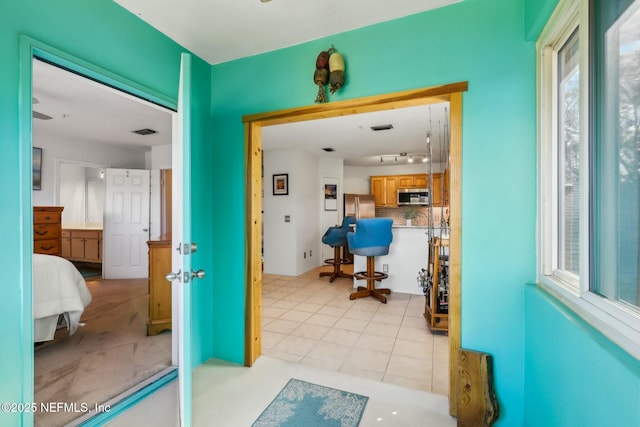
146, 131
328, 149
381, 127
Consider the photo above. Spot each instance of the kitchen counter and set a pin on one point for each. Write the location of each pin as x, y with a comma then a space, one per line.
81, 227
408, 254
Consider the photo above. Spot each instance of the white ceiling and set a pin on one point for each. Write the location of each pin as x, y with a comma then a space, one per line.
84, 110
354, 141
224, 30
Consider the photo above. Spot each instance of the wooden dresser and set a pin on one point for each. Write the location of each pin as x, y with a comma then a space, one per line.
159, 287
47, 230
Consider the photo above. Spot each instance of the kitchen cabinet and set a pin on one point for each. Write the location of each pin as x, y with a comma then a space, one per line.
440, 189
47, 230
79, 244
413, 181
159, 287
385, 188
385, 191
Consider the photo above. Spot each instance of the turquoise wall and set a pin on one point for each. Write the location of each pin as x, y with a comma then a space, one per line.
105, 39
574, 376
536, 15
479, 41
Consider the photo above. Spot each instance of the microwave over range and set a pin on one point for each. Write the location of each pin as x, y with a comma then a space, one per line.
413, 196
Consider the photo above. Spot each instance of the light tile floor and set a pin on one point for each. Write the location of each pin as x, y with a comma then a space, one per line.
383, 351
306, 319
231, 395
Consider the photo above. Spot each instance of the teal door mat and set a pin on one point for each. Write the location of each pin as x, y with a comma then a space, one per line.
301, 403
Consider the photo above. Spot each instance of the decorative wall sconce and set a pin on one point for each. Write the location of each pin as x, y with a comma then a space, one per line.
329, 69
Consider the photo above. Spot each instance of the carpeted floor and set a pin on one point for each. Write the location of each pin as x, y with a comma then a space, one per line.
110, 354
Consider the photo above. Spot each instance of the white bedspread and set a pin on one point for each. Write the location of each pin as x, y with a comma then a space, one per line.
58, 288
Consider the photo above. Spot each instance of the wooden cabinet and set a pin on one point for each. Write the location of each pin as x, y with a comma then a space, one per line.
385, 189
413, 181
47, 232
440, 189
80, 244
159, 287
405, 181
420, 181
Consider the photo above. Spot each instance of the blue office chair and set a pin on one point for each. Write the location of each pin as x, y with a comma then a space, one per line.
371, 239
336, 237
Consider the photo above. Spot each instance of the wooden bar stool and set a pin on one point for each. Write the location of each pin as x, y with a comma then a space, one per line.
336, 237
371, 238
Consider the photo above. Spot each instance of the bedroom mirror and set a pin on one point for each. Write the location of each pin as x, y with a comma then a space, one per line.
94, 197
81, 192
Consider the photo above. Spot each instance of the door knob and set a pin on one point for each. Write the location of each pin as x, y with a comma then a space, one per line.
173, 276
197, 274
145, 229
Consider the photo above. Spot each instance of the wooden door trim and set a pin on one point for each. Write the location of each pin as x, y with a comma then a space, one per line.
253, 213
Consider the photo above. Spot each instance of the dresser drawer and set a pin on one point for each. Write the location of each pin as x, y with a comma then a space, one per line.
46, 231
46, 217
48, 247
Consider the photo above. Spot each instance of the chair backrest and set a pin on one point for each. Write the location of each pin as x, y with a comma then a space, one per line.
337, 236
372, 237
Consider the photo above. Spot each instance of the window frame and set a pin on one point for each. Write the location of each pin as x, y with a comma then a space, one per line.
614, 319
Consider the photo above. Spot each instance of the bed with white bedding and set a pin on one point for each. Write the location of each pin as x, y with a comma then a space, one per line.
58, 288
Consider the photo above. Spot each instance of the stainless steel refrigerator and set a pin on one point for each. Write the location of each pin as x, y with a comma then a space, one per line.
359, 205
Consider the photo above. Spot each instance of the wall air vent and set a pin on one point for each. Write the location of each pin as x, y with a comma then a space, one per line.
146, 131
328, 149
381, 127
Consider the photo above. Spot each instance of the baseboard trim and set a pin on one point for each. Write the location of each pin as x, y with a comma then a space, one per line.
126, 399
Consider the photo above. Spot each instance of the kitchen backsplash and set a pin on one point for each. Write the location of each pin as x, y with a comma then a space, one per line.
397, 214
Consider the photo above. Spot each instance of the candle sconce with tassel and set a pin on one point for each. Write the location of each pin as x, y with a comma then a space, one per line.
329, 70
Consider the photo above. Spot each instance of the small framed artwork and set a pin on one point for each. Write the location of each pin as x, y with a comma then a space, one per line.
330, 197
281, 184
37, 168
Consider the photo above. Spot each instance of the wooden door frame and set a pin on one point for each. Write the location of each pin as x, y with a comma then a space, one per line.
253, 167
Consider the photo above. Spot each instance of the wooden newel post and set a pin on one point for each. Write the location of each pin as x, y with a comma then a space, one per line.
477, 402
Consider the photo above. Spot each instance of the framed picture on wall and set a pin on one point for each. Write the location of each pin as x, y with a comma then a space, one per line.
330, 197
281, 184
37, 168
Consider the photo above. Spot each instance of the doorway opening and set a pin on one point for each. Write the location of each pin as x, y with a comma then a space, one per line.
85, 130
253, 146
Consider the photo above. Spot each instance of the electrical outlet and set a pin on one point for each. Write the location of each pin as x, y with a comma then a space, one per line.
305, 255
287, 218
385, 268
310, 253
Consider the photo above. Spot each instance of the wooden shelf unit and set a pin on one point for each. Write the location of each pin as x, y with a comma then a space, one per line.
437, 321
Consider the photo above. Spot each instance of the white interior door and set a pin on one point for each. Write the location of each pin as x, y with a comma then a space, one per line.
126, 224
